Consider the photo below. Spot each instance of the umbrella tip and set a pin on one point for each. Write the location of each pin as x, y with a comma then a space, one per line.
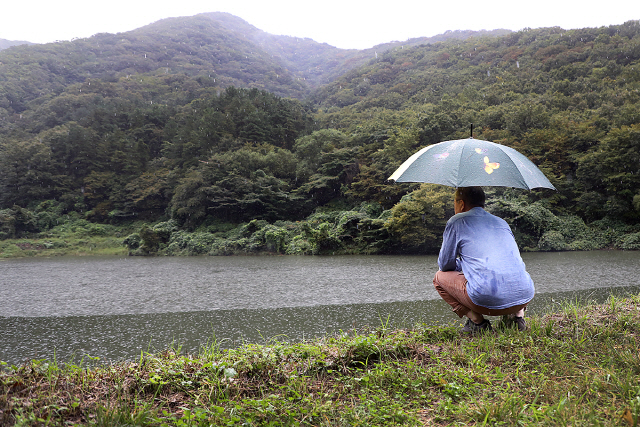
471, 130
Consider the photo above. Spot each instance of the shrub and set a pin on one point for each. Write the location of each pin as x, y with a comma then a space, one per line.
200, 243
231, 246
178, 242
150, 240
583, 245
46, 220
416, 223
16, 222
164, 229
529, 218
552, 241
630, 242
132, 241
348, 224
275, 238
7, 224
323, 238
299, 245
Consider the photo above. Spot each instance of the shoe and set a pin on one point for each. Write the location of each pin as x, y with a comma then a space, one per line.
511, 320
519, 321
472, 328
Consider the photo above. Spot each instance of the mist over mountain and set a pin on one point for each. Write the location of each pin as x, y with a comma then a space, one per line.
8, 43
319, 63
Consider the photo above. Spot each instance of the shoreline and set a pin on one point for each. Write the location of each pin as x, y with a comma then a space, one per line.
44, 248
577, 366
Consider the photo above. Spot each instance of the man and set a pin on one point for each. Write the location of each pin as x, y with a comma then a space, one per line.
481, 271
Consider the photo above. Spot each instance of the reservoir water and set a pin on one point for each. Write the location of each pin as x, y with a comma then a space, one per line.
115, 308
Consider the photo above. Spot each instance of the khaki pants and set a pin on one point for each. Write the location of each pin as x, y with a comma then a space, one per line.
452, 287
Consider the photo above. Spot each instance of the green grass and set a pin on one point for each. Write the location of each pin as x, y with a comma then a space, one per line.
71, 237
579, 366
56, 246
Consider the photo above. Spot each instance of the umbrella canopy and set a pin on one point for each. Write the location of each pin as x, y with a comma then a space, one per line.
469, 163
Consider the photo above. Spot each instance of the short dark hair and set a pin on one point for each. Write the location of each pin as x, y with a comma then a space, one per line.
472, 196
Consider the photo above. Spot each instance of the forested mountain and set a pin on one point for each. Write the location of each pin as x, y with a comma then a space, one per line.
213, 49
206, 119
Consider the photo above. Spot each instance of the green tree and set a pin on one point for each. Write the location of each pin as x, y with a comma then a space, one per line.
28, 173
417, 222
612, 171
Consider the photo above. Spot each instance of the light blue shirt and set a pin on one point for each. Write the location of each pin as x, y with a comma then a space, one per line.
482, 246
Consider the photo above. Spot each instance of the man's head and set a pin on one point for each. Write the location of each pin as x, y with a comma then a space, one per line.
467, 198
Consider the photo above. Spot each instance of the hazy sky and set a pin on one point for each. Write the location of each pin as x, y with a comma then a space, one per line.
341, 23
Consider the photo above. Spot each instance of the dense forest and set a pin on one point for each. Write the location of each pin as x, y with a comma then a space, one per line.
205, 135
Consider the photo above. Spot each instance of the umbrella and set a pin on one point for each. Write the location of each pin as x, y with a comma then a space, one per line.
471, 162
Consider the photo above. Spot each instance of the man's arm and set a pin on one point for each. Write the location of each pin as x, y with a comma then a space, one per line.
449, 250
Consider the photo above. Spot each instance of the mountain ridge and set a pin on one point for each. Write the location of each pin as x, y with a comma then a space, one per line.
216, 46
309, 62
4, 43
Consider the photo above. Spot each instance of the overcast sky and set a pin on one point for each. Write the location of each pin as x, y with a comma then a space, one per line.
341, 23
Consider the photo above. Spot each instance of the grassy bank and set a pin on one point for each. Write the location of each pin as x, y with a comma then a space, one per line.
580, 366
47, 247
73, 236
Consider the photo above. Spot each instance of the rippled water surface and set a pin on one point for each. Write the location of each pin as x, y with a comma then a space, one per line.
113, 307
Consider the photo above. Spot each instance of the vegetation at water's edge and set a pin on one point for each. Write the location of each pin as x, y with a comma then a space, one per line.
414, 225
580, 366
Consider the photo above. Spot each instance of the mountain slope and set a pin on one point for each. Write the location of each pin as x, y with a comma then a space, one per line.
307, 59
196, 47
214, 49
321, 63
529, 61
